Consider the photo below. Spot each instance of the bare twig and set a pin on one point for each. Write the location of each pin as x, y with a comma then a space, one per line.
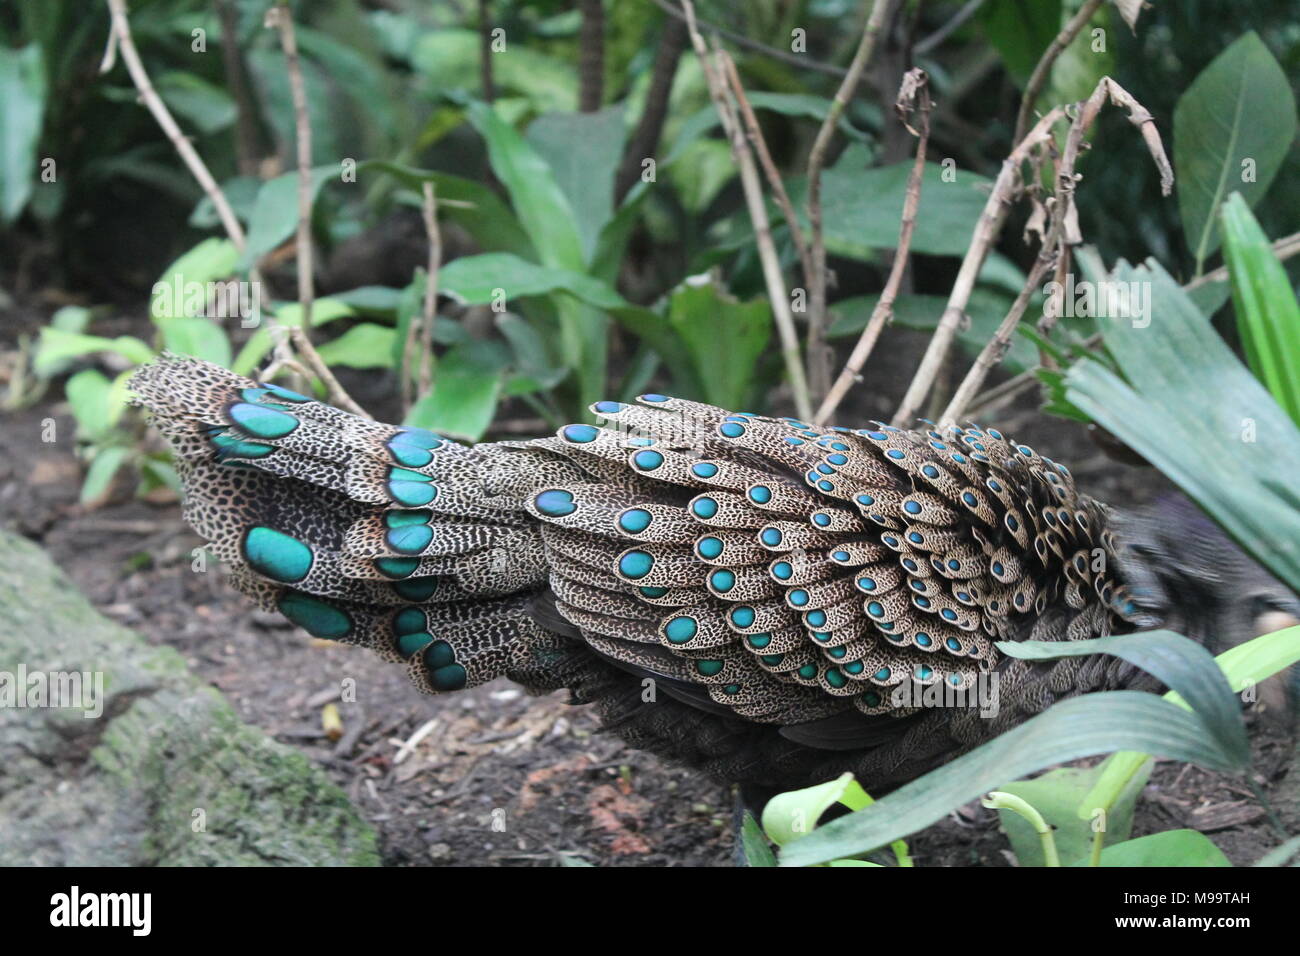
1284, 249
968, 10
429, 210
1062, 235
755, 134
752, 188
1038, 79
913, 96
120, 37
641, 144
281, 18
246, 138
591, 56
785, 56
987, 229
819, 367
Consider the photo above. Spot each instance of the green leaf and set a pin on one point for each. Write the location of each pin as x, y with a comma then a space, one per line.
1079, 727
449, 60
488, 278
22, 111
1169, 848
99, 476
1243, 666
790, 104
208, 108
57, 348
88, 394
1181, 664
724, 339
534, 360
275, 214
539, 203
1056, 795
1230, 448
477, 209
202, 338
181, 290
754, 844
1268, 315
1232, 130
464, 396
583, 151
366, 345
863, 206
1021, 32
791, 816
706, 167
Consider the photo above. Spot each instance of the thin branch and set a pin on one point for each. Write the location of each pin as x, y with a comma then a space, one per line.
120, 37
281, 18
246, 136
986, 233
429, 210
642, 143
913, 95
591, 56
819, 368
752, 188
794, 59
1061, 236
1284, 249
755, 133
1038, 79
969, 10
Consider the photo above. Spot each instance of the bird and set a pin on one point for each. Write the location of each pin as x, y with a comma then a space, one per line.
769, 601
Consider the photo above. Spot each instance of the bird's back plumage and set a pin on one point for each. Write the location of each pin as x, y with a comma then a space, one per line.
760, 597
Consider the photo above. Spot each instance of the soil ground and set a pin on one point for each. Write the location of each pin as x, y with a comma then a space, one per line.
492, 776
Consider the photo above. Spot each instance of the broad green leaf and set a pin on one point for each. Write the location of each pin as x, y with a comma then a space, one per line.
1243, 666
1056, 795
366, 345
791, 104
289, 314
1078, 727
56, 348
88, 394
1268, 315
754, 844
534, 360
472, 206
542, 208
99, 475
724, 339
464, 397
182, 288
206, 107
1282, 855
790, 816
496, 276
1169, 848
1021, 31
863, 206
986, 309
1181, 664
271, 81
360, 78
583, 151
378, 300
449, 60
71, 318
1230, 448
1232, 129
22, 111
705, 168
275, 214
202, 338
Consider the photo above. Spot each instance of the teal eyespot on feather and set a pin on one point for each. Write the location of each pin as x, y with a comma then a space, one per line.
635, 564
708, 668
230, 446
276, 555
260, 421
580, 434
449, 678
314, 616
409, 644
416, 589
555, 503
397, 567
681, 629
410, 487
635, 520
